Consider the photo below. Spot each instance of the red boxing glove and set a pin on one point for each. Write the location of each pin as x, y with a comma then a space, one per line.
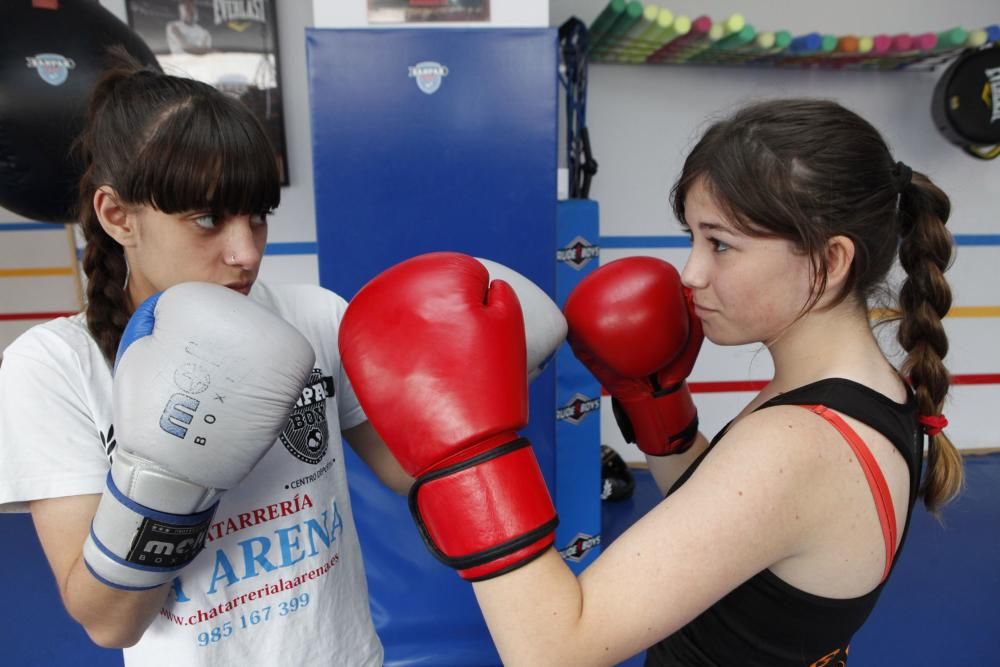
632, 324
436, 355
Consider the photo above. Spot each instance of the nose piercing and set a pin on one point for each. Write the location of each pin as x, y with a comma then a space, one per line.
232, 259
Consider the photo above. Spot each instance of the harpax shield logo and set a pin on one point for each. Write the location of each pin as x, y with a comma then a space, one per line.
51, 67
428, 75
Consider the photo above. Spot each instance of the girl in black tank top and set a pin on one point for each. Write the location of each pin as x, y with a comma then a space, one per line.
796, 211
766, 621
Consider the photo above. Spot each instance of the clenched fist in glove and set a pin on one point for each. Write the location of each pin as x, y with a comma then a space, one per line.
204, 381
632, 324
435, 352
544, 324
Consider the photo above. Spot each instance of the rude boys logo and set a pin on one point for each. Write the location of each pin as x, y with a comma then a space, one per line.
578, 253
578, 408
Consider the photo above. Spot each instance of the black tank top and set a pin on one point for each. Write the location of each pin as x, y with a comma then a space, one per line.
766, 621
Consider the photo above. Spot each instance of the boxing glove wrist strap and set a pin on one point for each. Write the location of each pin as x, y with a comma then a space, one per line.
133, 547
488, 514
660, 424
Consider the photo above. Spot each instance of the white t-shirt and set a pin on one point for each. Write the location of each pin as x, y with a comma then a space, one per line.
280, 580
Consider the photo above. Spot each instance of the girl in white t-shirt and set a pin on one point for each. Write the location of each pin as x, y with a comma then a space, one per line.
178, 182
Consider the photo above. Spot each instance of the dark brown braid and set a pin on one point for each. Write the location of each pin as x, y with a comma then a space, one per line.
925, 254
108, 306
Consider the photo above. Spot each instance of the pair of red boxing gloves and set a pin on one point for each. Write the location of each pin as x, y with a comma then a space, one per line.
435, 352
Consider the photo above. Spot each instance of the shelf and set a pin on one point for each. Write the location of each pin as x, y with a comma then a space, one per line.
629, 33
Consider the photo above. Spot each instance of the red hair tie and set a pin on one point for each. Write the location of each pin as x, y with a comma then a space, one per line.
933, 424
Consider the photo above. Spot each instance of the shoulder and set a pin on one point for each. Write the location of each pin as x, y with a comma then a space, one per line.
54, 369
784, 461
788, 443
57, 343
770, 464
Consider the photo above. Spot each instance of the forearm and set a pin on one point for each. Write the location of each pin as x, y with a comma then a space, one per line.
112, 618
538, 615
666, 470
370, 447
534, 614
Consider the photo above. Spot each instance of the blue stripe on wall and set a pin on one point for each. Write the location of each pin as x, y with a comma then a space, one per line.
270, 249
977, 239
30, 227
307, 248
683, 242
311, 247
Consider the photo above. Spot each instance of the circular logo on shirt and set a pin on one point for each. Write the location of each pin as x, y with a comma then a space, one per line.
306, 435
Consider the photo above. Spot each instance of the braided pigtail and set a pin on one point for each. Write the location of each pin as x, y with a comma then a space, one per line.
925, 298
108, 306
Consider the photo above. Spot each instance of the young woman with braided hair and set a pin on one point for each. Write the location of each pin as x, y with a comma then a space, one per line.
774, 541
181, 454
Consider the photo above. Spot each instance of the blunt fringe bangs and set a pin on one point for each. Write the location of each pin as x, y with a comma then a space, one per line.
209, 153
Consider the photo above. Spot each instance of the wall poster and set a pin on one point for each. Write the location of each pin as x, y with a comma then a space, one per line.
416, 11
229, 44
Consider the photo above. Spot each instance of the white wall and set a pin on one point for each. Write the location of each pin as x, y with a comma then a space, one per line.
643, 120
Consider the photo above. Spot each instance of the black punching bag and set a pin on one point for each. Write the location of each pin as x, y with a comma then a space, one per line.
51, 54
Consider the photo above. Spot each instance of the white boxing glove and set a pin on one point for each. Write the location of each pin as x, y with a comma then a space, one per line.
204, 382
544, 324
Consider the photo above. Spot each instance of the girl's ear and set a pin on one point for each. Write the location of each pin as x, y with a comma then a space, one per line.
114, 217
839, 259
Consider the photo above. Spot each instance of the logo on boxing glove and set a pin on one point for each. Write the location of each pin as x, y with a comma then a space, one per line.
306, 435
162, 544
180, 408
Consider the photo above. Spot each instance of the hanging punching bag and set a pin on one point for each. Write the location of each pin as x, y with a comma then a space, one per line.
51, 54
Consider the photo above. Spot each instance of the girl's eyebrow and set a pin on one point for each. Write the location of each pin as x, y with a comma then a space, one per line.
714, 227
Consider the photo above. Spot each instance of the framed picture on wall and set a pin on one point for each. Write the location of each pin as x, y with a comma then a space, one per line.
415, 11
230, 45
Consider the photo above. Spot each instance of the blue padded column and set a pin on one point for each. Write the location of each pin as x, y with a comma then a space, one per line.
578, 400
426, 140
